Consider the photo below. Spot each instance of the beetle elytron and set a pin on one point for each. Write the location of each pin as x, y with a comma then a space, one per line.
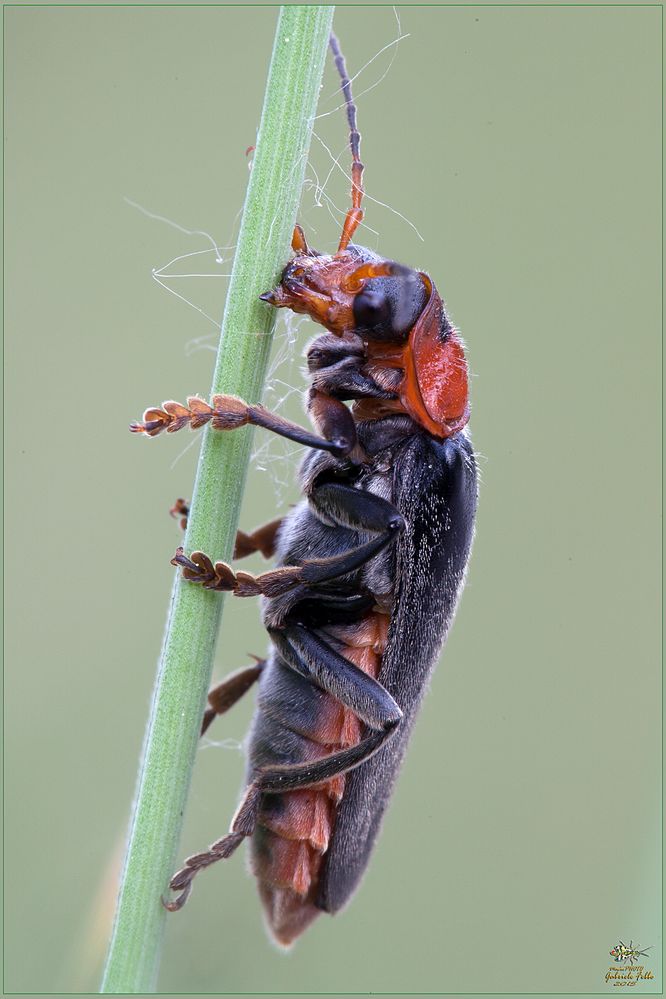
370, 566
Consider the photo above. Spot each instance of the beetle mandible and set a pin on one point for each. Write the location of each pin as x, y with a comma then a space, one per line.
370, 566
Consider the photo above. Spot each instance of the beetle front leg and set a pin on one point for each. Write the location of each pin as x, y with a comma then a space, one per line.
338, 367
228, 412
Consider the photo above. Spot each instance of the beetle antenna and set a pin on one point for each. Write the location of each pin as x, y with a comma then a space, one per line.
355, 214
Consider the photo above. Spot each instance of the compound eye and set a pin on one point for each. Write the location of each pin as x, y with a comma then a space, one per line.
371, 309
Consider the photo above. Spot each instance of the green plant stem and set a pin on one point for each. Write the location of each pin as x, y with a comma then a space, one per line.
194, 615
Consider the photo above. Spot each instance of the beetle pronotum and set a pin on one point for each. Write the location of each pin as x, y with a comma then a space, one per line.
370, 566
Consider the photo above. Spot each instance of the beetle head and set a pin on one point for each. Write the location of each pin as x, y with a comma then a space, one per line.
354, 290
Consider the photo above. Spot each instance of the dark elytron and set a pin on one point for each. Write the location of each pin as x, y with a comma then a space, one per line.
370, 566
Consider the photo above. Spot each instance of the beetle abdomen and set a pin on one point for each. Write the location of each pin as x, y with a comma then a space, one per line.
294, 829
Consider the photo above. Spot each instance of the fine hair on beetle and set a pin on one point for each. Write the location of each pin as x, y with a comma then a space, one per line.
369, 566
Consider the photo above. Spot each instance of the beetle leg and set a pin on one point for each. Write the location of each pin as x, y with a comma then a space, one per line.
308, 654
228, 412
198, 568
242, 826
354, 688
181, 508
231, 689
262, 539
343, 505
332, 419
341, 367
296, 776
347, 380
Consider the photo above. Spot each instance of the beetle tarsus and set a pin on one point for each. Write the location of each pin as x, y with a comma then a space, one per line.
181, 508
242, 826
219, 576
177, 903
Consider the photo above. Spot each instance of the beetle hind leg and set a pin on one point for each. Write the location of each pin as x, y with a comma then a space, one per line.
275, 780
243, 825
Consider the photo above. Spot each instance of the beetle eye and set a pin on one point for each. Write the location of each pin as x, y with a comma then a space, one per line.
370, 309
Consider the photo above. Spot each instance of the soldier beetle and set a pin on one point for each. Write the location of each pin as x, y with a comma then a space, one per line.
370, 567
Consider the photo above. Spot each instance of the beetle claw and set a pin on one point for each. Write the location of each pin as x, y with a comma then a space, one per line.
177, 903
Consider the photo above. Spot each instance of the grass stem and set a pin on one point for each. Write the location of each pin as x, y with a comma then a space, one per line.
186, 660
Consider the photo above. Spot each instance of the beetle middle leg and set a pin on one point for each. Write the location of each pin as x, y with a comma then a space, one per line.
339, 503
225, 694
306, 653
263, 539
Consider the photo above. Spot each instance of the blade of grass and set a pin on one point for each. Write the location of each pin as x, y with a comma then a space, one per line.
185, 665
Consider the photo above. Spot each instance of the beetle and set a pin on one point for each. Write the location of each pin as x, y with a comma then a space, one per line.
621, 953
370, 567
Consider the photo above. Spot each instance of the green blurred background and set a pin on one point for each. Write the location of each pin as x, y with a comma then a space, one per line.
524, 145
